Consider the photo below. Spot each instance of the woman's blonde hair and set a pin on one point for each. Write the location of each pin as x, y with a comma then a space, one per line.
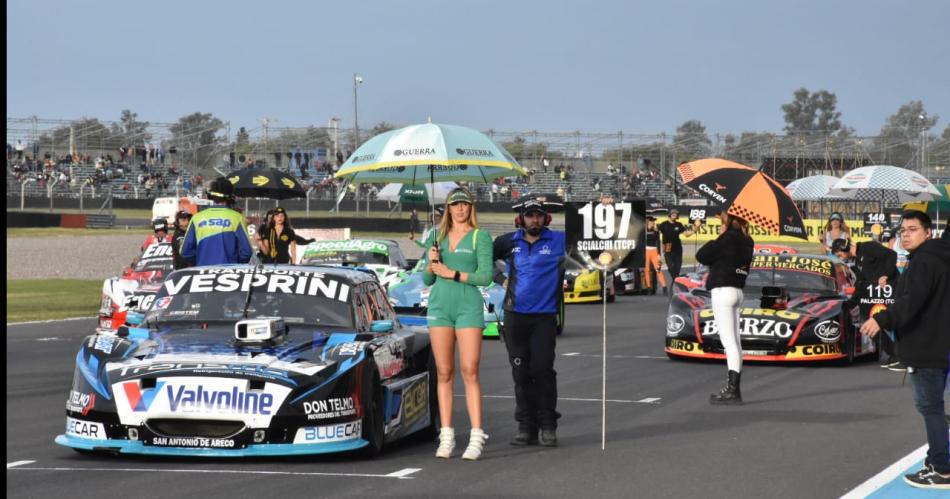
446, 223
844, 226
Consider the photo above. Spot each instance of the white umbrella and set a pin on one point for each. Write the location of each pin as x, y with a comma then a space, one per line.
884, 181
813, 188
393, 192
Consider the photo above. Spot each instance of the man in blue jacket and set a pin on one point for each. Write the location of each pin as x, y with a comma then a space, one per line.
534, 255
217, 234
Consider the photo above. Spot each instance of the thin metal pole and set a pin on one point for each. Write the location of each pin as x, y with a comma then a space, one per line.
603, 373
356, 115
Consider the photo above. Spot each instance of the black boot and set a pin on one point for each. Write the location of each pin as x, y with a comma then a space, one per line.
730, 395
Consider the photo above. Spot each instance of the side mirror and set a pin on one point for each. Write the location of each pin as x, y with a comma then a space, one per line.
127, 271
849, 291
382, 327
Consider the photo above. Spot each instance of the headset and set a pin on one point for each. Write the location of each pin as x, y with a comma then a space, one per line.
519, 220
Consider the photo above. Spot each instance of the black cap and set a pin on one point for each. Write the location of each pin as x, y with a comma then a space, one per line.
183, 214
651, 217
280, 209
160, 224
840, 245
221, 189
533, 206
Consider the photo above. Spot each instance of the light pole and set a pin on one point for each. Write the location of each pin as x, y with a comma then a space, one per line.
357, 79
334, 124
264, 122
923, 142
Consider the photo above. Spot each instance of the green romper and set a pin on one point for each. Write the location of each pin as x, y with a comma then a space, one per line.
460, 304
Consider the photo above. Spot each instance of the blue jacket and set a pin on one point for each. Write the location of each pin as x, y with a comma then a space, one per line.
535, 271
216, 235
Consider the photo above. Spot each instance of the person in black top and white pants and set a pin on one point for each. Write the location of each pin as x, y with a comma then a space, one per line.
728, 258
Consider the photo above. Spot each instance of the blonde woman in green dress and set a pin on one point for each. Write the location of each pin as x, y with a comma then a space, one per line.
458, 261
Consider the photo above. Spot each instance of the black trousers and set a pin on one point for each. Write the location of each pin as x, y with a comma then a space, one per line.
530, 339
674, 261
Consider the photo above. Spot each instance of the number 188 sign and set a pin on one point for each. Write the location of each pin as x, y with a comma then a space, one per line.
615, 228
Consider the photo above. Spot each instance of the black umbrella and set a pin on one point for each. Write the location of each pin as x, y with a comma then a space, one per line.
266, 183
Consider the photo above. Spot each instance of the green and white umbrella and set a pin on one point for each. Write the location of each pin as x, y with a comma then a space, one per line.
416, 194
428, 153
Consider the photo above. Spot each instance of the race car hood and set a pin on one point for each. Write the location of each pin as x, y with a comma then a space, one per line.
193, 373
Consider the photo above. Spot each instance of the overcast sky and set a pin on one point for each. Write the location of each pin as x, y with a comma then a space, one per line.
553, 66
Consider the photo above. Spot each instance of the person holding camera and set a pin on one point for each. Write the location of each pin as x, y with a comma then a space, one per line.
216, 234
728, 257
534, 257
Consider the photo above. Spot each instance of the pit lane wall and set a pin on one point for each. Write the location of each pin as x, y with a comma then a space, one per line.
710, 230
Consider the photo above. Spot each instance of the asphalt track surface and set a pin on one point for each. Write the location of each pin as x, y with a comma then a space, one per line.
803, 432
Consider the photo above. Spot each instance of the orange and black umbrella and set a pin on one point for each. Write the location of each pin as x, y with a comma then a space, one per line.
747, 193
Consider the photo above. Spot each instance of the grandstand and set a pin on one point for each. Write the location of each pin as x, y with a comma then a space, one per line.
311, 153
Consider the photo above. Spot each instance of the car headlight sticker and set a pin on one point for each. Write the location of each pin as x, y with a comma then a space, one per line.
828, 331
674, 324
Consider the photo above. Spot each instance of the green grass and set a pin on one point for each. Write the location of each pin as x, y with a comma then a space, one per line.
34, 300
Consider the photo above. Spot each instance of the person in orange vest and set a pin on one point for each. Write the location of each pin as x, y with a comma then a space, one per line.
653, 257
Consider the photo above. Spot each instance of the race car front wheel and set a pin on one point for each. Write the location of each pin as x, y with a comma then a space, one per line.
372, 400
429, 433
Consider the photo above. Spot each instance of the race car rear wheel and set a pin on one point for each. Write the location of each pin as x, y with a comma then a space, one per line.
373, 419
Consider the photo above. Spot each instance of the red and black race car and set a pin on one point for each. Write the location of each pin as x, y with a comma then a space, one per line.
794, 310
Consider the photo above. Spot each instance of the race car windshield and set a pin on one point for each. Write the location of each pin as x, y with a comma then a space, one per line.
150, 264
793, 280
346, 257
155, 257
216, 306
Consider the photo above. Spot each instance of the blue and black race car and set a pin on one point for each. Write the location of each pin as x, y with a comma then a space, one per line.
240, 360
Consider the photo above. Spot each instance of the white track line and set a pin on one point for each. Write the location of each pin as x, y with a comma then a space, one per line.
403, 476
578, 354
885, 477
48, 321
14, 464
650, 400
404, 473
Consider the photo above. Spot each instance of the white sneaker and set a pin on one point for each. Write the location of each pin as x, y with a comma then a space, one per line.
476, 442
446, 442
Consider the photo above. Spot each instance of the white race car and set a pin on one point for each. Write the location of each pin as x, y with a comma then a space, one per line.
382, 256
126, 298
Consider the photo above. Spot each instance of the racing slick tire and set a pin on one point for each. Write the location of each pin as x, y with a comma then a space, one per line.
429, 433
373, 418
851, 335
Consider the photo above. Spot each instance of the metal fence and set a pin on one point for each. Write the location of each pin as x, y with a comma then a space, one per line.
787, 156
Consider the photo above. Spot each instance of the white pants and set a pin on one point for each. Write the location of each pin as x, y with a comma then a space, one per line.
726, 303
